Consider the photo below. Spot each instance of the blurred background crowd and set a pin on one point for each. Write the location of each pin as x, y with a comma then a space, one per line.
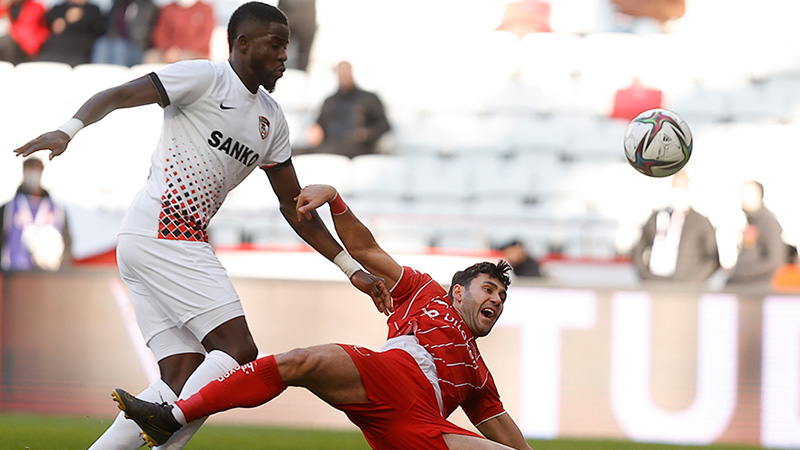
469, 125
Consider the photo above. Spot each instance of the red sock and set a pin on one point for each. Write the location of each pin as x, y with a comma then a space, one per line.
246, 386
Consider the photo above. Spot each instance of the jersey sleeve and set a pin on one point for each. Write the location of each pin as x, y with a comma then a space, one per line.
484, 403
183, 82
413, 284
280, 148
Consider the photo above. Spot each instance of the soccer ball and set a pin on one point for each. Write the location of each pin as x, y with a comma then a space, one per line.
658, 143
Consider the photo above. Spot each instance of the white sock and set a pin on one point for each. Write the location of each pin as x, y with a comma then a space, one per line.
123, 434
178, 415
216, 364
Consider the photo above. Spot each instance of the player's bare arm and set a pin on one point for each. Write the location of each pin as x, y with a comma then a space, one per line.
311, 228
355, 236
504, 430
133, 93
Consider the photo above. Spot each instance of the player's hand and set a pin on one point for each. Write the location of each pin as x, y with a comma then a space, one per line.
312, 197
55, 141
376, 288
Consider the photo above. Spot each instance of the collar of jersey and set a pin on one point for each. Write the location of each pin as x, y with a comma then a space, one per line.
240, 85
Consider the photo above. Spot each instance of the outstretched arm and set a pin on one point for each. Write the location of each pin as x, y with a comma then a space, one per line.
355, 236
504, 430
133, 93
311, 228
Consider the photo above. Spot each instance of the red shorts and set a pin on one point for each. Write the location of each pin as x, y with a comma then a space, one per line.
402, 412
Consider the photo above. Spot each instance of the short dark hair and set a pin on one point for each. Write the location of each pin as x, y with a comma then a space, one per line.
256, 12
498, 271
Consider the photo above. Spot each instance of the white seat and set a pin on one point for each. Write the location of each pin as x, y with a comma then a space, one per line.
504, 180
608, 60
143, 69
672, 78
324, 168
538, 134
253, 194
379, 177
549, 60
700, 105
438, 180
292, 91
88, 79
415, 134
760, 102
299, 123
598, 140
41, 83
471, 134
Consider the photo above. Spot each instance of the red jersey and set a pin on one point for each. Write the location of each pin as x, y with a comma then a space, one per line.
423, 308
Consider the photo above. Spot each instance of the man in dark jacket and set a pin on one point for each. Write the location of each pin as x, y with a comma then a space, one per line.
677, 242
762, 250
351, 120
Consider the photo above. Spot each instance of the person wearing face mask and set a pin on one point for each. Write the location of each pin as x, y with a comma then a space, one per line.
677, 242
34, 227
183, 31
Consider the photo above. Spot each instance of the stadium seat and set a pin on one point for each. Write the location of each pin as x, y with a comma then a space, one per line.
143, 69
606, 62
759, 102
536, 135
437, 180
597, 139
414, 134
549, 60
471, 134
578, 16
88, 79
41, 83
292, 92
505, 180
380, 177
701, 104
299, 124
324, 168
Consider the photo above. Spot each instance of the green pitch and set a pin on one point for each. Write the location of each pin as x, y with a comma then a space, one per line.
29, 432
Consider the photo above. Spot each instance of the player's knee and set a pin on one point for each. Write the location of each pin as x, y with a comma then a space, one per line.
244, 352
297, 365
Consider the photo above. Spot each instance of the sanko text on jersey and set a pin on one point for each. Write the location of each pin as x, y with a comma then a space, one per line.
234, 149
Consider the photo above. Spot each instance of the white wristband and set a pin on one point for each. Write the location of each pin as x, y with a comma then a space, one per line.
71, 127
345, 262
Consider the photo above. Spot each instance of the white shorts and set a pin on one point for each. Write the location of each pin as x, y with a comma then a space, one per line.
179, 290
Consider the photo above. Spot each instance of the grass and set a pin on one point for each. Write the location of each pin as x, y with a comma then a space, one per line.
36, 432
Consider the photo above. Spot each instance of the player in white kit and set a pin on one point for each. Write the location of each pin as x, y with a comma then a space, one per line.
219, 125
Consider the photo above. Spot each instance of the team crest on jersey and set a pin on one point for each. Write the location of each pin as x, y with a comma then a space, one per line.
263, 126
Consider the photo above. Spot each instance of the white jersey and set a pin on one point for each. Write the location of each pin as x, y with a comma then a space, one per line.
215, 133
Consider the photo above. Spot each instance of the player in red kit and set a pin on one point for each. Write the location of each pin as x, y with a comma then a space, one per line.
399, 396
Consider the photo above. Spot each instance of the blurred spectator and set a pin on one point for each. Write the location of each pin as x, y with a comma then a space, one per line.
762, 250
634, 99
526, 16
787, 277
74, 26
22, 30
302, 15
183, 31
521, 261
660, 10
677, 242
128, 33
34, 227
351, 121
